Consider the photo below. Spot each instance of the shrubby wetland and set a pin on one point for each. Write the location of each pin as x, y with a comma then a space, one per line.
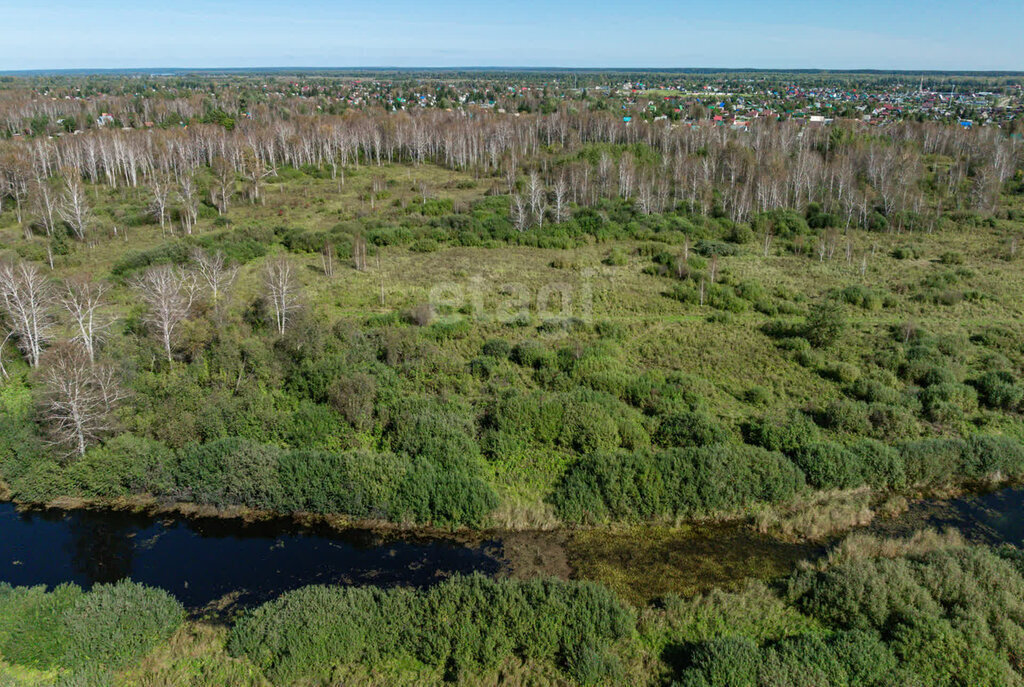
498, 378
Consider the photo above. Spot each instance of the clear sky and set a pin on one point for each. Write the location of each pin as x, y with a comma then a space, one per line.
877, 34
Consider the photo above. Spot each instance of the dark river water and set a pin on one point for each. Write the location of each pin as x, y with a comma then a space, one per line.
229, 562
992, 518
204, 560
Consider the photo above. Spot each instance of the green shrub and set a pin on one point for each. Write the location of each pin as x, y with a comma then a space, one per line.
874, 391
690, 428
786, 434
881, 465
642, 485
851, 417
353, 396
843, 373
463, 625
32, 625
497, 348
952, 615
617, 257
906, 252
862, 297
448, 494
757, 395
228, 472
1000, 390
529, 354
948, 403
126, 464
989, 455
933, 461
483, 367
726, 662
362, 484
107, 628
588, 427
892, 422
829, 466
116, 624
825, 324
437, 431
424, 246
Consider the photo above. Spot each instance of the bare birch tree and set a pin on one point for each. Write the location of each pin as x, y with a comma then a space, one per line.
223, 183
160, 188
254, 172
561, 191
46, 204
80, 398
74, 208
282, 291
26, 296
518, 213
327, 258
189, 199
215, 273
84, 301
169, 300
538, 198
359, 252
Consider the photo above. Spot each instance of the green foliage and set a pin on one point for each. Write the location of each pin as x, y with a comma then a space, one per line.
32, 625
116, 624
109, 627
228, 472
829, 466
642, 485
1000, 390
787, 434
951, 616
825, 324
176, 252
726, 662
862, 297
690, 428
461, 626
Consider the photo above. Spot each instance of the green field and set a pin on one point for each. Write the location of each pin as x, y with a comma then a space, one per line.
586, 323
688, 356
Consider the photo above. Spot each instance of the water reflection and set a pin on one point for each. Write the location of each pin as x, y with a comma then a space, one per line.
201, 561
101, 550
989, 518
206, 560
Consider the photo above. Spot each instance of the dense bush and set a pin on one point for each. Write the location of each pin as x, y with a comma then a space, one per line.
842, 658
32, 627
424, 484
229, 472
583, 421
786, 434
999, 389
691, 428
951, 616
674, 483
116, 624
463, 624
829, 466
108, 627
825, 324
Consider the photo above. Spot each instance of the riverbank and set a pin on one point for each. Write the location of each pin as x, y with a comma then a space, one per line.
817, 516
259, 555
550, 632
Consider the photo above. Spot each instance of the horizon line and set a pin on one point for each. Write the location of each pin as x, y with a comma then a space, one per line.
155, 71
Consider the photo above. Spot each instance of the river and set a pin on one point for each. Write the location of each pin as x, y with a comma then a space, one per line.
220, 563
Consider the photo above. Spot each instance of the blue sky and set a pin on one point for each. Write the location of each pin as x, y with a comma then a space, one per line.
893, 34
